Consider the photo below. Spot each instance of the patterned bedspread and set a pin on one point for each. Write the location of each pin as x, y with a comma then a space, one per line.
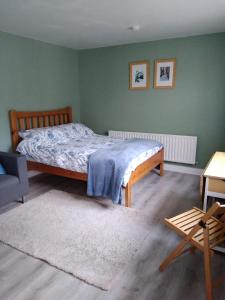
73, 153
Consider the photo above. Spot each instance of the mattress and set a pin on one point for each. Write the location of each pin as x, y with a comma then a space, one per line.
73, 153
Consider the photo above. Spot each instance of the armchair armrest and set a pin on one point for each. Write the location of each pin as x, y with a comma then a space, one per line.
15, 164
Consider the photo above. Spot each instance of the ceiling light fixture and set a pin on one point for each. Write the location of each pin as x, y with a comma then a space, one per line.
135, 27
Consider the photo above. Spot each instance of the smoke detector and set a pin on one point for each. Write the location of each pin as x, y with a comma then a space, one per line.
135, 27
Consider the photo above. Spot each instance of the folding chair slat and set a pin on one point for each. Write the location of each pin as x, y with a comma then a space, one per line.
183, 234
175, 228
191, 219
172, 226
212, 236
191, 225
216, 235
181, 215
212, 222
213, 225
198, 235
212, 228
189, 216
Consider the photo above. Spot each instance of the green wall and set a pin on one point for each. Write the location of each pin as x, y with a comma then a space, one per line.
35, 76
195, 107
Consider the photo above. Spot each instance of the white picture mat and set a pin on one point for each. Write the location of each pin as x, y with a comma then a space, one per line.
139, 68
165, 82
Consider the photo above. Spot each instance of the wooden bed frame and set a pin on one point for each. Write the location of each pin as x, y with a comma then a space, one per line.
35, 119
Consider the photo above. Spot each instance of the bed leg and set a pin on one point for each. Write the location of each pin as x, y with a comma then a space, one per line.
161, 169
161, 165
128, 195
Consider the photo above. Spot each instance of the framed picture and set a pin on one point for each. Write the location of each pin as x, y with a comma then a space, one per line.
139, 75
165, 73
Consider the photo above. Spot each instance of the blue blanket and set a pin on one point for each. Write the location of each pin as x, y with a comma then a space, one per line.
106, 167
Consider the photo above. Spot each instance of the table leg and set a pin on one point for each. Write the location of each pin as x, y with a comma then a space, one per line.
206, 194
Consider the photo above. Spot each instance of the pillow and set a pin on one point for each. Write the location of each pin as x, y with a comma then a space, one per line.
2, 170
82, 129
45, 135
59, 132
30, 133
51, 132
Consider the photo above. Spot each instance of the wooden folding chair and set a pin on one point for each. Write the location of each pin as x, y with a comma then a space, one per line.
202, 231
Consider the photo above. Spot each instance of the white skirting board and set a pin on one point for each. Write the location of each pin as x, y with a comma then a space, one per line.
182, 169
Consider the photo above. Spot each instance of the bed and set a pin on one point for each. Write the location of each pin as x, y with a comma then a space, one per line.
37, 119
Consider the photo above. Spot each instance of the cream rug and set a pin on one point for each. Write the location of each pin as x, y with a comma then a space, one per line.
92, 240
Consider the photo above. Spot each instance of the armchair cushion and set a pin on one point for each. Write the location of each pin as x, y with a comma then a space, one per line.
8, 180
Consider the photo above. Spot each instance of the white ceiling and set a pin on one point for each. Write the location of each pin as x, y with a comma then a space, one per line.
83, 24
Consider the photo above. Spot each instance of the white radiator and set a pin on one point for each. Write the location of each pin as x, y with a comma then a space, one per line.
178, 148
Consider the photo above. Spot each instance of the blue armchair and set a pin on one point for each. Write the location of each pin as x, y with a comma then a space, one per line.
14, 184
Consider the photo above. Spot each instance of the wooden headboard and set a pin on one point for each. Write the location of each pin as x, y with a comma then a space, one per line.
22, 120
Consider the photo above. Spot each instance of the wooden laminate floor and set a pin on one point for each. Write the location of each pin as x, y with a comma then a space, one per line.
26, 278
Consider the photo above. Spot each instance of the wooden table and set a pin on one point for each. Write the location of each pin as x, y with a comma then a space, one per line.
214, 181
214, 175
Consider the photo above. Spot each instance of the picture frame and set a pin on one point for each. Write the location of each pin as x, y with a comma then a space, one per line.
139, 75
165, 73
